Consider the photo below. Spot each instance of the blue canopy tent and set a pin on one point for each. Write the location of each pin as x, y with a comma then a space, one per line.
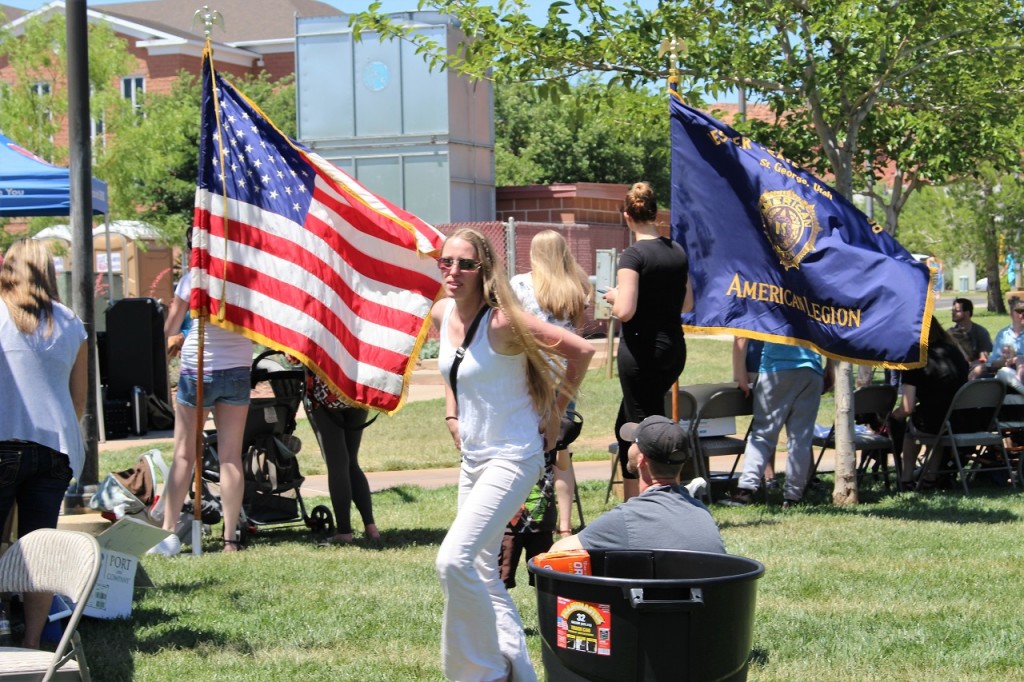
30, 186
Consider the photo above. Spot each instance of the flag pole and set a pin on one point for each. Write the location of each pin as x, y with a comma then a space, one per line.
208, 18
672, 47
197, 517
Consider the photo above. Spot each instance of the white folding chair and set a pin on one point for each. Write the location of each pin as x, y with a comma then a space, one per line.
62, 561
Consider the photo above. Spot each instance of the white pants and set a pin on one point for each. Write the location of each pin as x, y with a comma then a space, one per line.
481, 627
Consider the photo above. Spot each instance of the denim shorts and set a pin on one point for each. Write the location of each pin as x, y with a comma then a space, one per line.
226, 386
36, 477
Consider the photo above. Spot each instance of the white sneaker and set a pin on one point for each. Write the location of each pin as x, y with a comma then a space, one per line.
169, 546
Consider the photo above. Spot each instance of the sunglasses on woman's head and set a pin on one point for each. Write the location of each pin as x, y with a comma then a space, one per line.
465, 264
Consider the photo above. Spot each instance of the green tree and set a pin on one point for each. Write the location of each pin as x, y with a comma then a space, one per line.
588, 134
154, 160
927, 225
157, 182
35, 104
990, 213
835, 72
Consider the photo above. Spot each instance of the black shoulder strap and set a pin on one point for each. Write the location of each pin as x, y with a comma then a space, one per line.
460, 353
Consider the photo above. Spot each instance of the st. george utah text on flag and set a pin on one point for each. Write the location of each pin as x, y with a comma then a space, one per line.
777, 254
294, 254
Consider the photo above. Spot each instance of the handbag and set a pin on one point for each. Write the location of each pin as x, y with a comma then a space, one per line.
132, 491
112, 496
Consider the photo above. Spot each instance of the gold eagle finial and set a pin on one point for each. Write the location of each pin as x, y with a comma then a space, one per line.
208, 18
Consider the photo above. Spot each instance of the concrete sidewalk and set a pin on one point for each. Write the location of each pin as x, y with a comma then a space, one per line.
426, 384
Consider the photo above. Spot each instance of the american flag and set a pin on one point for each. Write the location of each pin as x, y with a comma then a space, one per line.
294, 254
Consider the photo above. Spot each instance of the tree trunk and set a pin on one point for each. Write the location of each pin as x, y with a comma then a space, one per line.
995, 288
845, 491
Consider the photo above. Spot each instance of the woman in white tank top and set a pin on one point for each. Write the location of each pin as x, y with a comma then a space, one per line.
506, 413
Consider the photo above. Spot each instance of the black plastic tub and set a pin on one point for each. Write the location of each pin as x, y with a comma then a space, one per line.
649, 615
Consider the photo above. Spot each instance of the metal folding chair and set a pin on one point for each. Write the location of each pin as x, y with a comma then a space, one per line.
872, 405
1011, 425
969, 432
723, 402
613, 451
684, 411
47, 560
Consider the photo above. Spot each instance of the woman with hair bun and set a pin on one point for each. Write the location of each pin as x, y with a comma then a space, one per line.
652, 290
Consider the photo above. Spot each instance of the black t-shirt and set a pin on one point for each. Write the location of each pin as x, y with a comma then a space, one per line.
974, 342
663, 268
937, 382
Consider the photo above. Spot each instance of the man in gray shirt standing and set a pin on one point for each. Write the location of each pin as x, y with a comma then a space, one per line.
664, 515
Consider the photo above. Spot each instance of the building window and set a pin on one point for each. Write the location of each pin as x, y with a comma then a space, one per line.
45, 114
97, 128
132, 90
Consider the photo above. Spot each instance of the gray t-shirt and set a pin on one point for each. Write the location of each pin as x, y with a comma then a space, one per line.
661, 517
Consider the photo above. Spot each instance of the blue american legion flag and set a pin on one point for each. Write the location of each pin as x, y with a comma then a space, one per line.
291, 252
778, 255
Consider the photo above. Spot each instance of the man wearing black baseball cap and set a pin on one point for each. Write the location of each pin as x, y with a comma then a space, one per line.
664, 515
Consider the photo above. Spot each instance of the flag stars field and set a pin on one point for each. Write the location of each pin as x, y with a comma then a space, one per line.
265, 239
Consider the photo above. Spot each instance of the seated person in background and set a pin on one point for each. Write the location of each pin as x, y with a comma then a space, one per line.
664, 515
927, 393
1008, 347
974, 338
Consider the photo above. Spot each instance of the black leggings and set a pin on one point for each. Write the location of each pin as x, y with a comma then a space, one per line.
646, 372
339, 433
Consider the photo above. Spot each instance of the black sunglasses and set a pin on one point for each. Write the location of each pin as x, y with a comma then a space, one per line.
465, 264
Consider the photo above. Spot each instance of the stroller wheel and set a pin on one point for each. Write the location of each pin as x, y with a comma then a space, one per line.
321, 520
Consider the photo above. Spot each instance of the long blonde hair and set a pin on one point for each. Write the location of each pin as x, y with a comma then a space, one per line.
28, 285
559, 283
543, 376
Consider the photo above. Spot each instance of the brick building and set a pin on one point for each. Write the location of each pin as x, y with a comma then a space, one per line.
587, 214
257, 35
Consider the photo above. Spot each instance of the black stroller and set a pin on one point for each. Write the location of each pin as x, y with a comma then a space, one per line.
269, 448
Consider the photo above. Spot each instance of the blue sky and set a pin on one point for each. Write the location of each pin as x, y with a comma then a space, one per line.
538, 8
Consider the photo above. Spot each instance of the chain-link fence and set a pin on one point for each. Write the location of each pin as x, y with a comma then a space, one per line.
512, 239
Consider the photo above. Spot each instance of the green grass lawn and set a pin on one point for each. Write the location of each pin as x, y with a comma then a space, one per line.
909, 587
416, 437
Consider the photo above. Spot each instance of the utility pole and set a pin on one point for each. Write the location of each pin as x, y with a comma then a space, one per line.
80, 155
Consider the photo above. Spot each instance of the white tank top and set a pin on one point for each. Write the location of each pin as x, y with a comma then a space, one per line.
496, 415
222, 348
